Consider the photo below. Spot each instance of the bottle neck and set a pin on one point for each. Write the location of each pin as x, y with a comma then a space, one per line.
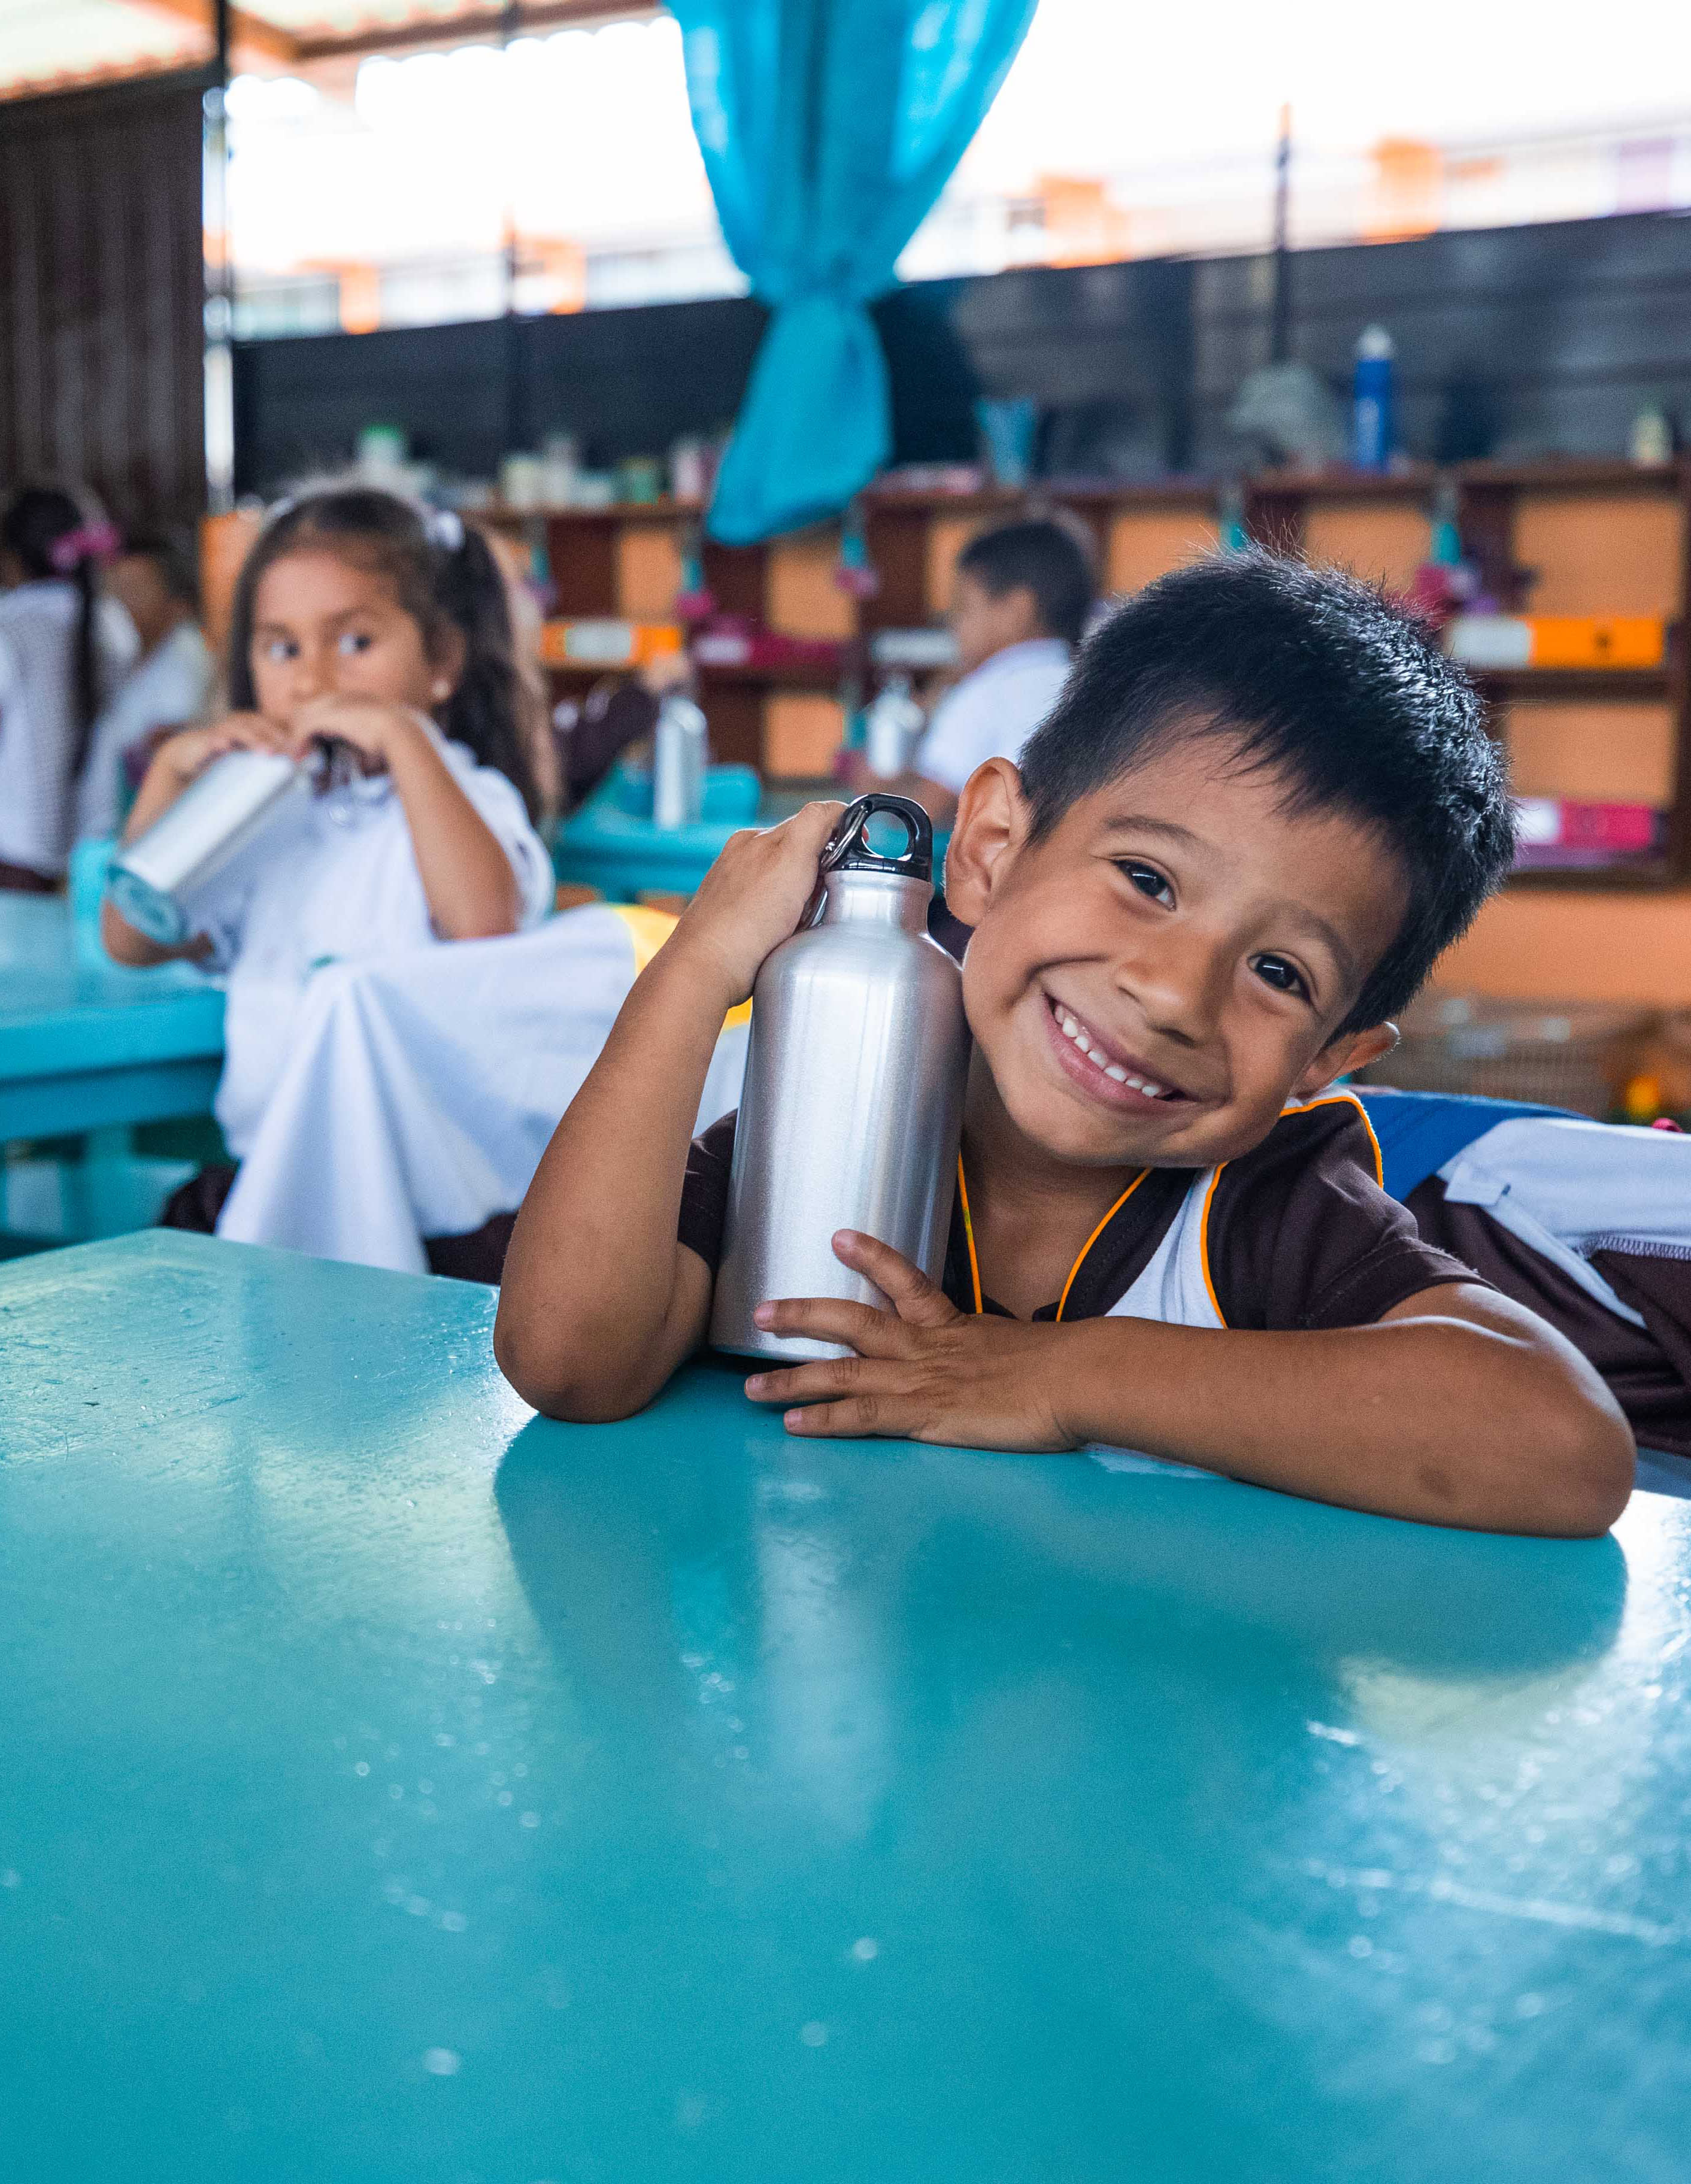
875, 899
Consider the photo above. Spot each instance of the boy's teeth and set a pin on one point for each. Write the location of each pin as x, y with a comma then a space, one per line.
1070, 1028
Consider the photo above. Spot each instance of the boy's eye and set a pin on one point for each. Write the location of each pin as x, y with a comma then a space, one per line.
1148, 880
1285, 978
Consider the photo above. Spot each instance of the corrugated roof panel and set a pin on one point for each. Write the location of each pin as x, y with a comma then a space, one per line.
48, 41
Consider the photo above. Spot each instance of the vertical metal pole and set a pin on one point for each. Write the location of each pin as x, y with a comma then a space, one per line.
1280, 321
220, 286
510, 21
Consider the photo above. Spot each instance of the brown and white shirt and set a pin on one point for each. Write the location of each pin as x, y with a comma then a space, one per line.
1297, 1233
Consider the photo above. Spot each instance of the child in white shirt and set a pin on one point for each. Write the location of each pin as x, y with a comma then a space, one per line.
1020, 602
360, 620
64, 647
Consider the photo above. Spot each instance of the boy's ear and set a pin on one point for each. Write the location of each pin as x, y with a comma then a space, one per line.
1352, 1049
991, 825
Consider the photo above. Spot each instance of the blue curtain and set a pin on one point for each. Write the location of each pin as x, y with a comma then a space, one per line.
828, 127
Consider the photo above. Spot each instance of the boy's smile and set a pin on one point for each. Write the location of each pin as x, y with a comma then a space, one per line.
1150, 982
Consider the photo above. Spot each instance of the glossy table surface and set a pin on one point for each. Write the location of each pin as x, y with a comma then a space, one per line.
398, 1787
84, 1042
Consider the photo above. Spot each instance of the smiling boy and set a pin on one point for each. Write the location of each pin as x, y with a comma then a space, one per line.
1263, 807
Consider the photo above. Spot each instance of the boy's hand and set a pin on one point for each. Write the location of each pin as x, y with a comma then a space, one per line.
923, 1372
752, 899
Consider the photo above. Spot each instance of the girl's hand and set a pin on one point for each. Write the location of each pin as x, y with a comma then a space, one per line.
183, 757
752, 898
376, 731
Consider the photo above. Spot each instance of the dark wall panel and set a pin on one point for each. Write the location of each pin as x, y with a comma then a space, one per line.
1102, 349
1524, 341
101, 295
1535, 341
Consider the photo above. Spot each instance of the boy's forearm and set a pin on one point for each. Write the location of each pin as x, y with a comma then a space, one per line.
589, 1316
1443, 1420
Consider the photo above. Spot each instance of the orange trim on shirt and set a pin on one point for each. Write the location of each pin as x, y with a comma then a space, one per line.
1095, 1235
1297, 1107
974, 1263
968, 1237
1348, 1099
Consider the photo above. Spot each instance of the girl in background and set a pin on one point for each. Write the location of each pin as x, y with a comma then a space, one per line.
64, 647
363, 620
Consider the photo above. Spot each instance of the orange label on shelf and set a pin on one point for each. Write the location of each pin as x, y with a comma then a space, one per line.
1598, 640
608, 643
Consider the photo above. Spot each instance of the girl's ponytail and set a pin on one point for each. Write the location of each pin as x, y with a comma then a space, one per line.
486, 711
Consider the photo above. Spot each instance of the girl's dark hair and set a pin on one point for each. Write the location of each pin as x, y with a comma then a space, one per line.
445, 577
38, 519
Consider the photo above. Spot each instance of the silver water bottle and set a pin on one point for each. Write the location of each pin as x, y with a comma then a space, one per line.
852, 1107
681, 753
892, 728
152, 879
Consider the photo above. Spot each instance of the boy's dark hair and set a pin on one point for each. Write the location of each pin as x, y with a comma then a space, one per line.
1041, 557
1317, 677
172, 554
443, 575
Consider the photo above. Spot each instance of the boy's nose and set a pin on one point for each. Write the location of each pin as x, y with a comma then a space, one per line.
1180, 984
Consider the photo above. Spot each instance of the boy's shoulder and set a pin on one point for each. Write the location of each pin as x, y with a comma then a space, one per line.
1299, 1232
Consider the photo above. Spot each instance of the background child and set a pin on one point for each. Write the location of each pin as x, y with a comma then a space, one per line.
360, 618
155, 579
1263, 808
64, 646
1020, 605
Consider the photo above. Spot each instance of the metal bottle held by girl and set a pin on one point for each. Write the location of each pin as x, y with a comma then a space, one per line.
153, 879
853, 1108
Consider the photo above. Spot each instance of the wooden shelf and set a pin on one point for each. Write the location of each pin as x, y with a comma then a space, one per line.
1507, 685
624, 560
1638, 875
712, 675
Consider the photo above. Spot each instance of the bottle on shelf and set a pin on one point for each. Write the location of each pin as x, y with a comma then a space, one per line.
1373, 398
892, 728
681, 756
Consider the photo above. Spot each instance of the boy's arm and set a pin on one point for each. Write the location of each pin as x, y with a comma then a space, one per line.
1458, 1406
599, 1302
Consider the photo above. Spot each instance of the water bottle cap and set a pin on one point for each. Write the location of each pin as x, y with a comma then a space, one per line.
848, 849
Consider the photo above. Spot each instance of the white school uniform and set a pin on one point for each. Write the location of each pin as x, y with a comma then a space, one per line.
992, 711
169, 688
37, 713
421, 1089
334, 881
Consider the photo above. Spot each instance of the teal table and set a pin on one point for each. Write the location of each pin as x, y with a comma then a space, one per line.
84, 1044
398, 1788
612, 844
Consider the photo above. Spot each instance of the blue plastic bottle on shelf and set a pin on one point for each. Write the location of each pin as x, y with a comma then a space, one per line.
1373, 428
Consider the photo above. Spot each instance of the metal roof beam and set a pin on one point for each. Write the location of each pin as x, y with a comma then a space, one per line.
472, 24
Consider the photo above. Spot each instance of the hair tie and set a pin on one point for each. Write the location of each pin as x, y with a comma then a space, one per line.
88, 542
445, 529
